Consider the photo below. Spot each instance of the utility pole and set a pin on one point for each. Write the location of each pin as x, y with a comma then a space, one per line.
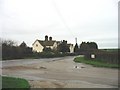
75, 40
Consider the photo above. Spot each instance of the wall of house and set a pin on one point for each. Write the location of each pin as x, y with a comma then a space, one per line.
55, 46
49, 47
37, 47
71, 49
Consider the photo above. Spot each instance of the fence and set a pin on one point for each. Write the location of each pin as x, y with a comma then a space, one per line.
105, 56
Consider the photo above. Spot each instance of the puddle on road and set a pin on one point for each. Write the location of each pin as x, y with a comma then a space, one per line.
41, 67
78, 67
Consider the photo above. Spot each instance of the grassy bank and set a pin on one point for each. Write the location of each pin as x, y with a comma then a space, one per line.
11, 83
95, 63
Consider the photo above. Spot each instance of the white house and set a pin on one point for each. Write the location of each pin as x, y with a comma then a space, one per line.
39, 45
71, 47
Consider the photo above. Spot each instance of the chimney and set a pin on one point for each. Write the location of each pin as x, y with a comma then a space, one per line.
64, 41
46, 38
50, 38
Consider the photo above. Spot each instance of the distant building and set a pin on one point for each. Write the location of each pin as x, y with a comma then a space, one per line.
39, 45
71, 47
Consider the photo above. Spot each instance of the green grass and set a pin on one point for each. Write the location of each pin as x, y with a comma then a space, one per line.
14, 83
95, 63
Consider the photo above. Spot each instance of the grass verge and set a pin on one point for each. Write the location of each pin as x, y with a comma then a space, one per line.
11, 83
95, 63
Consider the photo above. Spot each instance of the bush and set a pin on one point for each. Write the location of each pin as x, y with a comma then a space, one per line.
11, 51
51, 54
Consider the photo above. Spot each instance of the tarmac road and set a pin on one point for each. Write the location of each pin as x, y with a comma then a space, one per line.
60, 73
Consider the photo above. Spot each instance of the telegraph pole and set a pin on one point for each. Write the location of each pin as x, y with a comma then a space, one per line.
75, 40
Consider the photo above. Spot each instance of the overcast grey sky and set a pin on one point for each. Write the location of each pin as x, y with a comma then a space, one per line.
88, 20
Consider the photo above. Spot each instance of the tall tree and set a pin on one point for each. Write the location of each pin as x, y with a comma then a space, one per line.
63, 47
23, 44
84, 46
76, 49
93, 45
11, 51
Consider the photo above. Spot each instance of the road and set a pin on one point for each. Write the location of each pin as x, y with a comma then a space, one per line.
60, 73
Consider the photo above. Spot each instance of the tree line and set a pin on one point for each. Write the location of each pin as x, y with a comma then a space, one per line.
91, 48
11, 51
85, 47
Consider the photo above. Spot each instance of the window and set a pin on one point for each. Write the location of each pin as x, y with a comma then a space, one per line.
36, 45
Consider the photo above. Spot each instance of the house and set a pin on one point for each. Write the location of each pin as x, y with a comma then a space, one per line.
71, 47
39, 45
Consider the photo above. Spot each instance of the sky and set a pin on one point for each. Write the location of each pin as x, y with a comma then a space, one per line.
86, 20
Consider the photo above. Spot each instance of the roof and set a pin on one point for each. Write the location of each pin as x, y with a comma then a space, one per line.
46, 43
70, 45
49, 43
